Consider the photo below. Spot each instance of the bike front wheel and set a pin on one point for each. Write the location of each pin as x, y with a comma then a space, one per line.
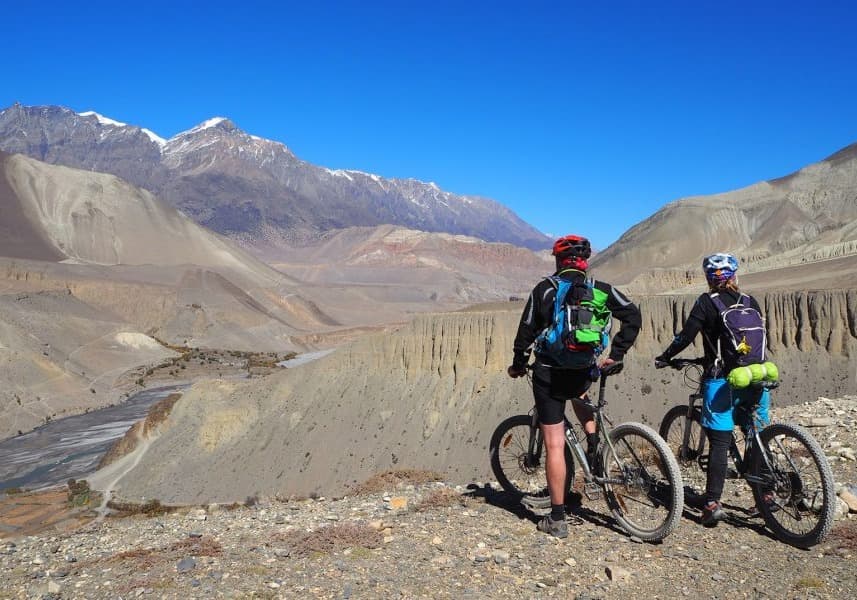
518, 461
793, 485
644, 488
692, 456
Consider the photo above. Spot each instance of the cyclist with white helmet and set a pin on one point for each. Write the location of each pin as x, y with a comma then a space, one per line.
721, 404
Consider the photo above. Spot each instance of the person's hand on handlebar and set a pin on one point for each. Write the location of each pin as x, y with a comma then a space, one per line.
661, 362
609, 366
515, 372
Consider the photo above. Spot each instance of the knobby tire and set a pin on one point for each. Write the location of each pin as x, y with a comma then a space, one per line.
802, 483
649, 501
692, 459
517, 473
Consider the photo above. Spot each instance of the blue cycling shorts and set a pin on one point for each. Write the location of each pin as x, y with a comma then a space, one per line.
724, 407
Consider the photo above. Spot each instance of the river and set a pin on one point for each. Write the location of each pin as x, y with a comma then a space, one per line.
71, 447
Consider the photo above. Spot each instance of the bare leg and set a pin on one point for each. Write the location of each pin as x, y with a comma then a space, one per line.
585, 416
555, 468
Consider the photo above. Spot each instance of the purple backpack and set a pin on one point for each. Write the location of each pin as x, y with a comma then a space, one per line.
742, 338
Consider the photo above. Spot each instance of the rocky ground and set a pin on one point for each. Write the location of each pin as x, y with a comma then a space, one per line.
407, 536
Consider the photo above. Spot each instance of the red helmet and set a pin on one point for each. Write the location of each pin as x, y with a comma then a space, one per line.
572, 245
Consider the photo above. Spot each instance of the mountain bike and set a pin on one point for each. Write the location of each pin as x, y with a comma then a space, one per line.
633, 468
785, 467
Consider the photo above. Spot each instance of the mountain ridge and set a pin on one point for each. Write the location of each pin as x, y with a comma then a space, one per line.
235, 182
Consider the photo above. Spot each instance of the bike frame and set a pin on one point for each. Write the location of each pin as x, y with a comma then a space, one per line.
573, 441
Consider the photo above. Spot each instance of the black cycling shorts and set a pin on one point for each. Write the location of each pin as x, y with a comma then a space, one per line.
553, 387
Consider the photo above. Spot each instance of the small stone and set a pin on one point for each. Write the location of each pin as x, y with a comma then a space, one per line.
819, 422
279, 520
194, 582
377, 525
847, 453
500, 556
185, 565
481, 555
273, 585
718, 577
54, 587
398, 503
70, 558
436, 541
849, 499
617, 573
198, 515
282, 552
194, 534
570, 562
38, 560
840, 510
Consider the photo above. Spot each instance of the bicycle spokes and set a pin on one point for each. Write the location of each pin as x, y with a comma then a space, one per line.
793, 485
639, 483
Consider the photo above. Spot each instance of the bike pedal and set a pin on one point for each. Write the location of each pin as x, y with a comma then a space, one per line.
592, 491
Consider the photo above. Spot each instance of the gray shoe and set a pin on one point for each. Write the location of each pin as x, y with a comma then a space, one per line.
712, 514
558, 529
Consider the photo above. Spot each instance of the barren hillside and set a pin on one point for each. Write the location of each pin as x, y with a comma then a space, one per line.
806, 217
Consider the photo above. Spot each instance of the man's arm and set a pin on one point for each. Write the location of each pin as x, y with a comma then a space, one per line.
629, 317
531, 324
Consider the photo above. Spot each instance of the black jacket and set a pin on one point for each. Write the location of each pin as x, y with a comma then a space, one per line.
538, 314
705, 317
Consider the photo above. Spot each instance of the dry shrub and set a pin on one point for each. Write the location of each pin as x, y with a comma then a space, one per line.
147, 558
844, 535
441, 498
152, 508
159, 412
392, 479
203, 546
331, 538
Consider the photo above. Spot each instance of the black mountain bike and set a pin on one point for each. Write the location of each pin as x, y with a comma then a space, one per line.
634, 469
785, 467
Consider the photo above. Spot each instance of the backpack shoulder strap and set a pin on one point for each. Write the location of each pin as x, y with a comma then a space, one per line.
718, 302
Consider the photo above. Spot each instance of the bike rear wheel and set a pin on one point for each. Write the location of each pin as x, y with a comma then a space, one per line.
519, 471
692, 457
644, 489
796, 495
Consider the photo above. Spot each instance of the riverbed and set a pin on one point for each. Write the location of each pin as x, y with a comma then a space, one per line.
71, 447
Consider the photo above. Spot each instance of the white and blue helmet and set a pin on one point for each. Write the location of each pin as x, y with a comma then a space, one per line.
719, 267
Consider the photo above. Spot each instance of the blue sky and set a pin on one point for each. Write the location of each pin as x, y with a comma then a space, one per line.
581, 116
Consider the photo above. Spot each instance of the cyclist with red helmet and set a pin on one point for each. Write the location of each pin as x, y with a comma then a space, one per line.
722, 406
555, 383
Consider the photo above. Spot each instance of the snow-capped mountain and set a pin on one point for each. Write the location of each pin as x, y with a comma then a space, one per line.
246, 186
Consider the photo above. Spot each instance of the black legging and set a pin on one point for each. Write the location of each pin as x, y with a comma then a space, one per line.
718, 442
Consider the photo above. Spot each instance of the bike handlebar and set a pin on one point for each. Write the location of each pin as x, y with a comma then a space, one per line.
680, 363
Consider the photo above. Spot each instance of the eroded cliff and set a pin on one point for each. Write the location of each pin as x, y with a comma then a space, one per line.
429, 396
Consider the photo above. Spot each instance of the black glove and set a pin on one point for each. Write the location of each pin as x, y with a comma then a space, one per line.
514, 371
612, 368
661, 362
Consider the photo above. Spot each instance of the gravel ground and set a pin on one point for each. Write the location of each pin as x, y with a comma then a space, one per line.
438, 540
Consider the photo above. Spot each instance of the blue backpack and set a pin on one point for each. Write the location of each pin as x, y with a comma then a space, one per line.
580, 328
742, 339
